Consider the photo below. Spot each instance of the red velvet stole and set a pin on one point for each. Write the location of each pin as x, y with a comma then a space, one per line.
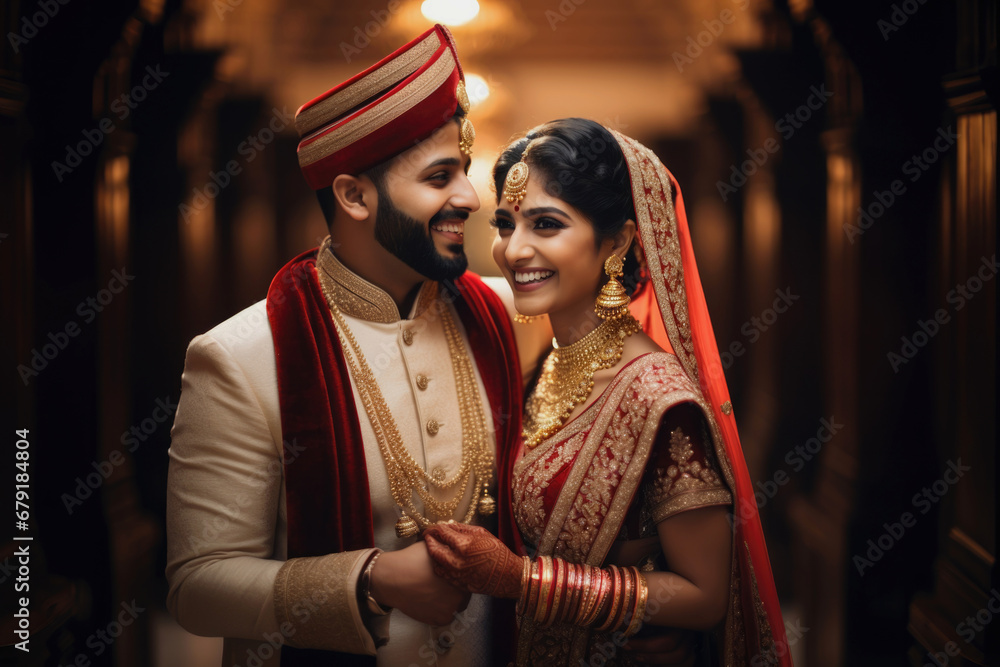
326, 480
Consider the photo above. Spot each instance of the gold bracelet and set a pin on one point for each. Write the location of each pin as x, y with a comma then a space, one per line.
366, 588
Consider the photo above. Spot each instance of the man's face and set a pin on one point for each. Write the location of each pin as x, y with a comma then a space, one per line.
423, 204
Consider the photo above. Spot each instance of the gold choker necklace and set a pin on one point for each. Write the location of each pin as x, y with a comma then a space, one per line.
568, 376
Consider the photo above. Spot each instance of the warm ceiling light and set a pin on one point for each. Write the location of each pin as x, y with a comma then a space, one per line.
450, 12
477, 88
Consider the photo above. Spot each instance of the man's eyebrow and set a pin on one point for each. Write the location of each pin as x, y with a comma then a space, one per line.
444, 162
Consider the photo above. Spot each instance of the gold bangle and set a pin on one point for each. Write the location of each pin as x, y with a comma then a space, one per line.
586, 594
558, 581
544, 590
628, 598
572, 589
522, 599
601, 581
640, 605
533, 585
615, 598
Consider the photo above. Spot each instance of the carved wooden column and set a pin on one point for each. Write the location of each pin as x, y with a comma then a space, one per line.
952, 624
821, 520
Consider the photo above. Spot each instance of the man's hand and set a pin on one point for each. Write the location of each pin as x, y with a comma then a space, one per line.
405, 580
666, 647
471, 558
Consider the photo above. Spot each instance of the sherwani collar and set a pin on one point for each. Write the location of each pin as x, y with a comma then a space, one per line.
359, 298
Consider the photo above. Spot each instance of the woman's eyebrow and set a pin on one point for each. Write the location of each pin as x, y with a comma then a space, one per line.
545, 209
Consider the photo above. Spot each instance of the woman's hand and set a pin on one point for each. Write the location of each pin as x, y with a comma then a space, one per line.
472, 559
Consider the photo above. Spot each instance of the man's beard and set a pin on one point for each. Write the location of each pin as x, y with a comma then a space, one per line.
411, 242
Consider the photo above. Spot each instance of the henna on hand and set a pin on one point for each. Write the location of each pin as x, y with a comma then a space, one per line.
471, 558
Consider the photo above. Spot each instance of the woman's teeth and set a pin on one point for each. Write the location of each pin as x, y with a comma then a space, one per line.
531, 276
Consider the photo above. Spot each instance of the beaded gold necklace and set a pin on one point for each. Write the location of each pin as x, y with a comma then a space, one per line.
567, 376
406, 476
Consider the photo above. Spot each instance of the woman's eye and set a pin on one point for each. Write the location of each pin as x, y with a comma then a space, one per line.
501, 223
440, 177
548, 223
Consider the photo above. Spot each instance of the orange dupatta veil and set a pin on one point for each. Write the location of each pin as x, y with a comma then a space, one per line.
672, 310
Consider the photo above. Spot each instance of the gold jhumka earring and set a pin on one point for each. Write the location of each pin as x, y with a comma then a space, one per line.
613, 301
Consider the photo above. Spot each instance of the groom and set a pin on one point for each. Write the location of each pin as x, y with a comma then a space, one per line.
301, 418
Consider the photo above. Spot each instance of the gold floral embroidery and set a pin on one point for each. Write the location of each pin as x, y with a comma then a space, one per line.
686, 485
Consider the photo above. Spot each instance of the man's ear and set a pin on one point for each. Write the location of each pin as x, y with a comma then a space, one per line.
623, 239
356, 195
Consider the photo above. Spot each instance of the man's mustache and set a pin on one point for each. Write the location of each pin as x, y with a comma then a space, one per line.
449, 214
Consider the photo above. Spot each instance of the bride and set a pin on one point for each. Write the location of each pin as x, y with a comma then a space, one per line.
624, 485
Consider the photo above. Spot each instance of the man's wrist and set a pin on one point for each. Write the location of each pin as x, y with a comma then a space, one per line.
365, 597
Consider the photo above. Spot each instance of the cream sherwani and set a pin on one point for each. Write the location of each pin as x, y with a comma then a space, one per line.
226, 517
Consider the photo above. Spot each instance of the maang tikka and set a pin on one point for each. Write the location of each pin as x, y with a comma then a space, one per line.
515, 186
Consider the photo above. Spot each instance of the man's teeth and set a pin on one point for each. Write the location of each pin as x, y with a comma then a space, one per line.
532, 276
458, 228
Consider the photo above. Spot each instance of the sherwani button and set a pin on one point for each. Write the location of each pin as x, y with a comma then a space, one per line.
433, 426
408, 336
422, 382
438, 474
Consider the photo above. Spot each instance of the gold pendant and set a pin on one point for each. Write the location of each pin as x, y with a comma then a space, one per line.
487, 505
406, 527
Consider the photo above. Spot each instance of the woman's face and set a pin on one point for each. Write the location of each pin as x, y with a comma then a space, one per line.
547, 251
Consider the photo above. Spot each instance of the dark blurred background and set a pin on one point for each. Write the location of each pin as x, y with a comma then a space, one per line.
838, 162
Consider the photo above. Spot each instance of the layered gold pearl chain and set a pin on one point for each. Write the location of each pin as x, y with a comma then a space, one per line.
406, 476
567, 376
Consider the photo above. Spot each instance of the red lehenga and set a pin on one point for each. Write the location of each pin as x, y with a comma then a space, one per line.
618, 468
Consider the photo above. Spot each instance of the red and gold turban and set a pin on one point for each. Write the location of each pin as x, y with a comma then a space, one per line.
377, 114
